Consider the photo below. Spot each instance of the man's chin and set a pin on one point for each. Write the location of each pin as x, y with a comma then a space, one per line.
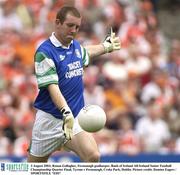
70, 38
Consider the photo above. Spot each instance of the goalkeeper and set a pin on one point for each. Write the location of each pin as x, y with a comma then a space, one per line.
59, 63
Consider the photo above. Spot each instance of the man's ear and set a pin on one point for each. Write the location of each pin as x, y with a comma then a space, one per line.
57, 21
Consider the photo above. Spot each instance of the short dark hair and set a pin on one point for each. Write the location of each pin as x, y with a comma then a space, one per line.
62, 13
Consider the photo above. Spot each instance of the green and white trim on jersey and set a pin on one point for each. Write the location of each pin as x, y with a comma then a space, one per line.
84, 52
85, 56
45, 70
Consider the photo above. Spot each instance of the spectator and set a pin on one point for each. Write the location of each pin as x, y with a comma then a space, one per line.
153, 131
129, 142
158, 88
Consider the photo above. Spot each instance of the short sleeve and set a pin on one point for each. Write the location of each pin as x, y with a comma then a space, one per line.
45, 70
85, 56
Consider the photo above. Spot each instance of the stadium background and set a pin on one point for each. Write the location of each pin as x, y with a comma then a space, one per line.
137, 86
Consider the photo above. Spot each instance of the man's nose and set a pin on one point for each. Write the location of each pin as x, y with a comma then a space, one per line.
74, 29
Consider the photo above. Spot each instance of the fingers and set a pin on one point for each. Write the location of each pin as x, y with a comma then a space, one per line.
116, 40
116, 43
111, 42
68, 127
118, 47
112, 33
111, 30
68, 122
68, 132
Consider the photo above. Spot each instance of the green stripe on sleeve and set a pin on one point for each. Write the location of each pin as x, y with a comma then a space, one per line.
85, 56
45, 70
40, 56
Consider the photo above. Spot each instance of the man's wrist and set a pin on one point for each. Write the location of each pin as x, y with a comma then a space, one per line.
65, 111
107, 47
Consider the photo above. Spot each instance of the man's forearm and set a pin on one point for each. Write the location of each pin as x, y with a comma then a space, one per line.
95, 50
110, 44
57, 96
60, 102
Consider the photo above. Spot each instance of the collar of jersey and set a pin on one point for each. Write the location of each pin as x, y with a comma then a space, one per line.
57, 43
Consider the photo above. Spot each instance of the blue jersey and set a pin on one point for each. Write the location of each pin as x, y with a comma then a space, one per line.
57, 64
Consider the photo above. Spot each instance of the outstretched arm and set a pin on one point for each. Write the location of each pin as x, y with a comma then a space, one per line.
110, 44
95, 50
60, 102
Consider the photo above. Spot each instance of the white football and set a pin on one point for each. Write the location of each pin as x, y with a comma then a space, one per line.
92, 118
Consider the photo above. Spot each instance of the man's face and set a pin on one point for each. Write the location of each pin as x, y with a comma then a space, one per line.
67, 31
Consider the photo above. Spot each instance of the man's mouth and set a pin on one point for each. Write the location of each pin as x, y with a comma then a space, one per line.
70, 35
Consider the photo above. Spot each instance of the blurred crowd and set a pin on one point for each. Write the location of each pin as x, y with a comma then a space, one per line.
138, 86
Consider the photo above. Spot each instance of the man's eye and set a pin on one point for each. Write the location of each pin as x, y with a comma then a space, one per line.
70, 25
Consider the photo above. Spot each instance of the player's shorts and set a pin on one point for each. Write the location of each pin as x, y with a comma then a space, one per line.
47, 134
